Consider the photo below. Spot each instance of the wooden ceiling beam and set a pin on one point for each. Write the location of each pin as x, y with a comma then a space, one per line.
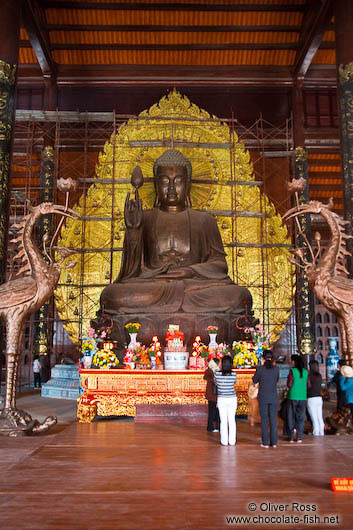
141, 6
158, 28
316, 21
37, 39
174, 47
181, 75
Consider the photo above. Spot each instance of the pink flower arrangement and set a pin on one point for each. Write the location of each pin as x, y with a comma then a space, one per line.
212, 329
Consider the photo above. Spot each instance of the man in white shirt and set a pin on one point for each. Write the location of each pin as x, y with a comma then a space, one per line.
36, 372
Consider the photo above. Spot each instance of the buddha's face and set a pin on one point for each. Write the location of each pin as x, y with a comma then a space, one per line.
172, 187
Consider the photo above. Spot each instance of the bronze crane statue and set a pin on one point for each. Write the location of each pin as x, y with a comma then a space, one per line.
326, 272
20, 298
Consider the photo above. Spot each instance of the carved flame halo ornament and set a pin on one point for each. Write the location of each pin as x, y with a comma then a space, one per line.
217, 157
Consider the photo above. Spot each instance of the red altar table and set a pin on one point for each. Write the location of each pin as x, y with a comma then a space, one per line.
118, 392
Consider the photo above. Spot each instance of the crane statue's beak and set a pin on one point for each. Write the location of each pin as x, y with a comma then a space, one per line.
66, 212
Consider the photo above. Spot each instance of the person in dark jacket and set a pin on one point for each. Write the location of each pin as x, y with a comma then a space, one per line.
341, 397
315, 400
347, 385
267, 376
211, 396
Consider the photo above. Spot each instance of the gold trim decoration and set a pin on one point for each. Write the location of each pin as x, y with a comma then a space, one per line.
345, 72
86, 413
217, 157
300, 154
7, 110
48, 153
7, 73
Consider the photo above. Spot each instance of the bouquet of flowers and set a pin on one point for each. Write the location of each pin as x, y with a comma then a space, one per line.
89, 346
259, 337
105, 358
129, 357
222, 350
245, 356
199, 348
133, 327
212, 329
142, 357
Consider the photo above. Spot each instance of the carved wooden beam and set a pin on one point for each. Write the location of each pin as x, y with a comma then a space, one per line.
159, 28
184, 47
141, 6
37, 38
317, 20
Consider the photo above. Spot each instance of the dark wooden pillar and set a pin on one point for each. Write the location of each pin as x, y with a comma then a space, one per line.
305, 303
43, 337
344, 60
10, 16
9, 42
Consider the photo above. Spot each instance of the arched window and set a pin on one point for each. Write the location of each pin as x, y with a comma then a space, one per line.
327, 345
25, 360
326, 318
319, 344
334, 318
320, 358
335, 331
319, 331
318, 318
327, 331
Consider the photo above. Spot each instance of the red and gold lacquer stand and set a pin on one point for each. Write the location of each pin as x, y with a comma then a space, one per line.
118, 392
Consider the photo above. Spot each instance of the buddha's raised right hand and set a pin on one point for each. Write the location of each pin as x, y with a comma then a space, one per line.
133, 211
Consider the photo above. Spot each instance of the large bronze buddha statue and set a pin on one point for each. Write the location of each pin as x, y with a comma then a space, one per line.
173, 267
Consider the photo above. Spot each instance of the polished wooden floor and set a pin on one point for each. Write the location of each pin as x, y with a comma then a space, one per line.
115, 474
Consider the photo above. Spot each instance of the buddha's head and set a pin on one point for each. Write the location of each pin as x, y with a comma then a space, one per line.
172, 177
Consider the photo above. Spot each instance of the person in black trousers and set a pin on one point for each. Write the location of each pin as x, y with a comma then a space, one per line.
267, 376
213, 421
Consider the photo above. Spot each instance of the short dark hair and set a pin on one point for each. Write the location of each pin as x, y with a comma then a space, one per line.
268, 356
314, 367
227, 365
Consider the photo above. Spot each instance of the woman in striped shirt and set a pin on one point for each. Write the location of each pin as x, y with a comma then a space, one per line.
226, 400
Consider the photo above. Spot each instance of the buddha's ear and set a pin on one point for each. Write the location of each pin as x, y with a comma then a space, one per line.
188, 201
156, 202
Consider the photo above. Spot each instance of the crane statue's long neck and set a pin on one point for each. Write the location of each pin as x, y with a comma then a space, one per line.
38, 266
329, 258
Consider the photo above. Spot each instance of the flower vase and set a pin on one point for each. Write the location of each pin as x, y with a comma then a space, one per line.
259, 352
212, 347
332, 360
132, 343
87, 362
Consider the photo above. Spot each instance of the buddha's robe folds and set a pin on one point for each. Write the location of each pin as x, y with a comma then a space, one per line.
175, 262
